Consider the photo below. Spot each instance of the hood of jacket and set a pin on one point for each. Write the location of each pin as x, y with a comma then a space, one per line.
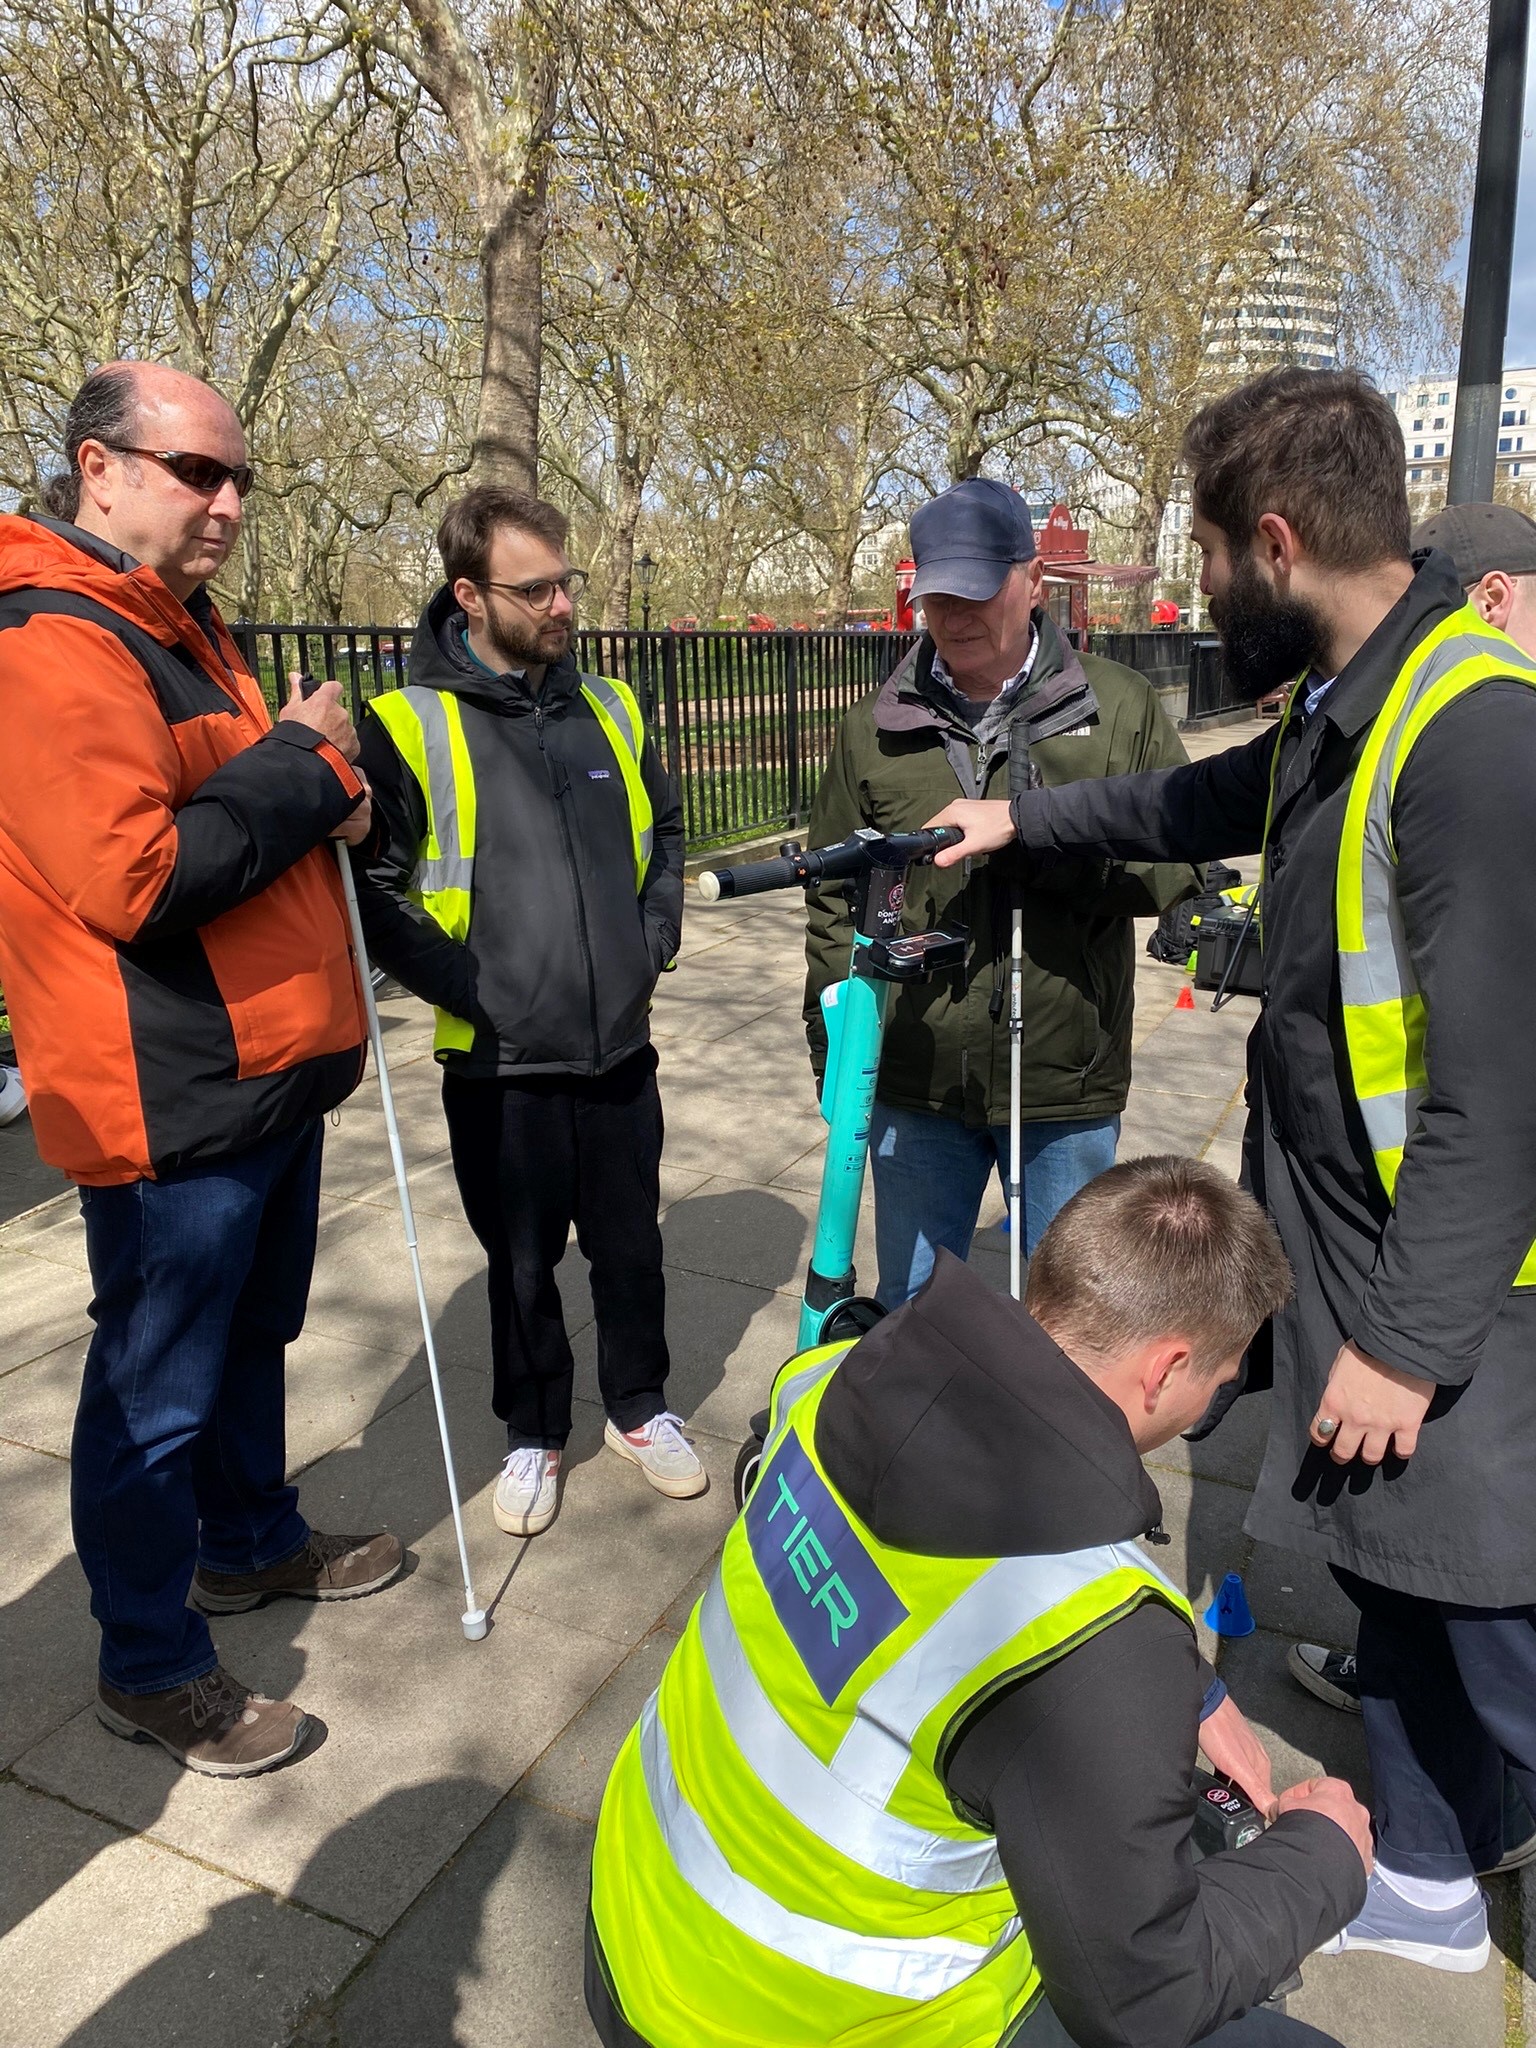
441, 661
1059, 695
958, 1428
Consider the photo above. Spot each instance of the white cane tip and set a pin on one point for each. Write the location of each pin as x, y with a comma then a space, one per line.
709, 887
475, 1624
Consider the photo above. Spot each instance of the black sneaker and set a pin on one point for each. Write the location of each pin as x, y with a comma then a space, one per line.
1327, 1674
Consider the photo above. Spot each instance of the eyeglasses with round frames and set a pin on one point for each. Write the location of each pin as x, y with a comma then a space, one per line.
203, 473
539, 596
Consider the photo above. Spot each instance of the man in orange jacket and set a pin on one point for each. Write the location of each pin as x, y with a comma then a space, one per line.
176, 962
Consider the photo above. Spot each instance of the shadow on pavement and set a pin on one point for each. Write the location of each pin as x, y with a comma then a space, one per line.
180, 1996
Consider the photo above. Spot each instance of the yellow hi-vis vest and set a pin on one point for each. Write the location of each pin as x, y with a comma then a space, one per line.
778, 1863
427, 727
1385, 1018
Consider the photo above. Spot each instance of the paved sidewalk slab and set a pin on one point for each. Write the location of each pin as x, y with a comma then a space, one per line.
113, 1942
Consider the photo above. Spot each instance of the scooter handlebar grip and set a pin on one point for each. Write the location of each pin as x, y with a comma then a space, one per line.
752, 880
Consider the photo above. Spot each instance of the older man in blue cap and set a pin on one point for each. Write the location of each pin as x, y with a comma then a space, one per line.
991, 701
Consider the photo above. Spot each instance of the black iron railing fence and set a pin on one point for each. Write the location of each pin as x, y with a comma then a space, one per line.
745, 721
1190, 662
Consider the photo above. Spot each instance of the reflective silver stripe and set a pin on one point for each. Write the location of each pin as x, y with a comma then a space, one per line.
1014, 1592
1384, 972
454, 869
833, 1811
618, 711
800, 1383
1388, 1119
919, 1969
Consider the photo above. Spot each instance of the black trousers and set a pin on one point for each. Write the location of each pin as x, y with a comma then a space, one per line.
1448, 1696
1258, 2029
531, 1158
1261, 2028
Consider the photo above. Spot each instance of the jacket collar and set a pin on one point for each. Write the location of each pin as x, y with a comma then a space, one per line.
1058, 697
40, 553
1364, 683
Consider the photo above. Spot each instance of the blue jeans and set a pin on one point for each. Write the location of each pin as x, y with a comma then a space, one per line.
932, 1171
201, 1281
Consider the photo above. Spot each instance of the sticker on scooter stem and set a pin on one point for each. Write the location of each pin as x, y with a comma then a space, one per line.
834, 1603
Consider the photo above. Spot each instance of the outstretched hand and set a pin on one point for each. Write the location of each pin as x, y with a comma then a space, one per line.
987, 825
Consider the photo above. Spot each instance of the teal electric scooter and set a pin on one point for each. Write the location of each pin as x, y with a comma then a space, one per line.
873, 867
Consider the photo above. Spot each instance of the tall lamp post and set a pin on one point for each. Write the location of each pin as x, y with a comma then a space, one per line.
1490, 257
645, 570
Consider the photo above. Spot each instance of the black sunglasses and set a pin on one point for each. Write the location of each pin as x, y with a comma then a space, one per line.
198, 472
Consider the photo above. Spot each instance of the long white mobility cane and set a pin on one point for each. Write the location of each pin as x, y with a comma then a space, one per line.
1020, 778
473, 1617
1015, 1105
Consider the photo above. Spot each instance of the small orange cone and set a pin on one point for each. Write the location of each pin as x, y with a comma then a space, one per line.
1186, 998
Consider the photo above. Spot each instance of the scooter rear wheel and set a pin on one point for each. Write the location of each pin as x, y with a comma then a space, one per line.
748, 1459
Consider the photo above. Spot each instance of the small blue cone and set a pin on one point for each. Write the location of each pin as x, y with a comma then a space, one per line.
1229, 1613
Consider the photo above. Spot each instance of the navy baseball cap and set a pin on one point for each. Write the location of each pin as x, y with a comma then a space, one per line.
965, 541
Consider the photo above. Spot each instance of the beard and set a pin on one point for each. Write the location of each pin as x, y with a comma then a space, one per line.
1266, 640
520, 645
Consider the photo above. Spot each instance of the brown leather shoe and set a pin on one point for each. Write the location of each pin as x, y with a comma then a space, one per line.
327, 1568
214, 1725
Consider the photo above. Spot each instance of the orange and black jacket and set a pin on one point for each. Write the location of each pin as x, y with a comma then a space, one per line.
174, 945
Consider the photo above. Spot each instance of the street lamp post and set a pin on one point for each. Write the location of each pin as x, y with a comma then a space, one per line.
645, 570
1490, 257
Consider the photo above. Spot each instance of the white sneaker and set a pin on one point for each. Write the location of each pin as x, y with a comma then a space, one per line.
663, 1454
13, 1096
1455, 1939
527, 1496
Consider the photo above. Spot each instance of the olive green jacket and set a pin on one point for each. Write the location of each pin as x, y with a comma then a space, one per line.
901, 756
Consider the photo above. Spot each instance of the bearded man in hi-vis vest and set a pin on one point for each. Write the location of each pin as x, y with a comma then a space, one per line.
531, 890
1391, 1094
919, 1773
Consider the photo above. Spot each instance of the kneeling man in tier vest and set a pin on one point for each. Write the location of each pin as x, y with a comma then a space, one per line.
922, 1769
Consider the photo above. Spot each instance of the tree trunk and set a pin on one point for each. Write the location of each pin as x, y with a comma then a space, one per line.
722, 550
621, 546
250, 568
506, 444
1146, 529
840, 583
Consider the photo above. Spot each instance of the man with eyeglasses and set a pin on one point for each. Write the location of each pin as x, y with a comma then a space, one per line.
532, 891
174, 949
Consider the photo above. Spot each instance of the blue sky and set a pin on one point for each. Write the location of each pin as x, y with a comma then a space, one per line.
1520, 348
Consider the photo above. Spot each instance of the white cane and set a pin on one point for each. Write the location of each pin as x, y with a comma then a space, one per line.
474, 1617
1015, 1105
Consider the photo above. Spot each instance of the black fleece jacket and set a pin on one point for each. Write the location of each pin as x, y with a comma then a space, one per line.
562, 956
958, 1428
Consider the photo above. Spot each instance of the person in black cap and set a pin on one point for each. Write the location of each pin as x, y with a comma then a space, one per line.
992, 699
1494, 549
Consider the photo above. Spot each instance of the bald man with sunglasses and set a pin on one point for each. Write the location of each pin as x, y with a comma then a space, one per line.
175, 955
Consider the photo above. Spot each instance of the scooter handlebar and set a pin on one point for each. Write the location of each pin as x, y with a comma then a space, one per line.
855, 856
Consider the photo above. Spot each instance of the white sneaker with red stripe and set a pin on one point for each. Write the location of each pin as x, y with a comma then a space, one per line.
663, 1453
527, 1496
